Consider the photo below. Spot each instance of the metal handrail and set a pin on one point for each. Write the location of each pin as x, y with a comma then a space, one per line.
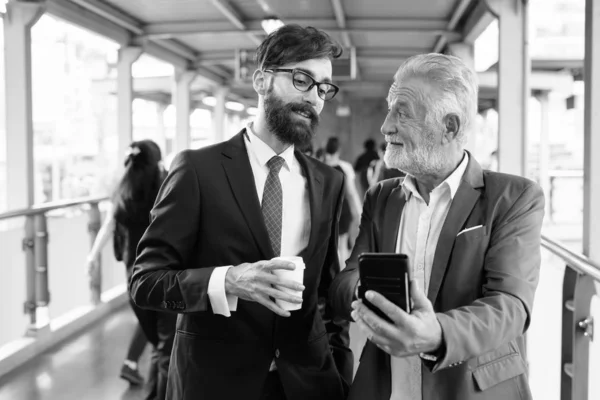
55, 205
576, 261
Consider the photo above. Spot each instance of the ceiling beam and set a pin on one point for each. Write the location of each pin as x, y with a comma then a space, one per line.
456, 16
477, 22
431, 27
111, 14
362, 53
177, 47
80, 16
235, 18
340, 17
112, 23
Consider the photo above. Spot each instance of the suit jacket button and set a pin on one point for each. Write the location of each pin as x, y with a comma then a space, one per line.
277, 353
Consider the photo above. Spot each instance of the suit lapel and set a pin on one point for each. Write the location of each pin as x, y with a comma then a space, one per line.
241, 180
464, 200
314, 179
391, 220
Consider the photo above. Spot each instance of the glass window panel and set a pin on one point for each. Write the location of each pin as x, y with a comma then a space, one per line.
74, 111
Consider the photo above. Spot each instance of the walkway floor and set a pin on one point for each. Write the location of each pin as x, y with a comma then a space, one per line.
86, 367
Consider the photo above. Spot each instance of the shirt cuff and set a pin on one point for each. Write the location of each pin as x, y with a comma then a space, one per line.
220, 302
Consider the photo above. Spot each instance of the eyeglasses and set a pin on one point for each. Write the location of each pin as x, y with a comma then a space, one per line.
304, 82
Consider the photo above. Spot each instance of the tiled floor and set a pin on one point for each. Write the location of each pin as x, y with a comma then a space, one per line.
84, 368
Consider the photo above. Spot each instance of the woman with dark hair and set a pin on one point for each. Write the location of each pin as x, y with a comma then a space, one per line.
126, 221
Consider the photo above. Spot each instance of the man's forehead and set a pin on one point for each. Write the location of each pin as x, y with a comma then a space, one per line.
318, 68
409, 88
393, 92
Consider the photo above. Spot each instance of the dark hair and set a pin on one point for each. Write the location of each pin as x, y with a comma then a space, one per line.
293, 43
137, 190
332, 146
369, 144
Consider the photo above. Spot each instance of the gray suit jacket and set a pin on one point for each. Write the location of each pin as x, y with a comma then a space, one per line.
482, 286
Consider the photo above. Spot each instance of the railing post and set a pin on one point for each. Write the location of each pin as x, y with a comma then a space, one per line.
568, 293
42, 292
28, 246
94, 223
584, 291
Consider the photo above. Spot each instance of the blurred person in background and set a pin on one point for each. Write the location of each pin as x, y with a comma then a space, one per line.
361, 166
352, 204
126, 221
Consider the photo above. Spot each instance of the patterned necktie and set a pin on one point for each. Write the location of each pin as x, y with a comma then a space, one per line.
272, 203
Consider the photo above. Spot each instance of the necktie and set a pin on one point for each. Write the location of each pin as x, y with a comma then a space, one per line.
272, 203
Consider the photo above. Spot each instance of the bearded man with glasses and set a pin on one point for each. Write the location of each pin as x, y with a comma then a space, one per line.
223, 215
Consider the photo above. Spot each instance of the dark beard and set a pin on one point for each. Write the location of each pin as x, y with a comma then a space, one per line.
281, 123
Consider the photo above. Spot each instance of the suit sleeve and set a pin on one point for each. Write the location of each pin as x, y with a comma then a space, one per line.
344, 285
338, 329
511, 274
164, 275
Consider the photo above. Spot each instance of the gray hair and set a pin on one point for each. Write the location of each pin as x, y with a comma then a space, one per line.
456, 81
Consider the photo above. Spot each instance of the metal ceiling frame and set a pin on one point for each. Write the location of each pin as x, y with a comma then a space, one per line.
456, 16
235, 18
160, 39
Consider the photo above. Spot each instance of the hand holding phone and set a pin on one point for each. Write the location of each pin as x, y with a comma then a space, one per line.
389, 275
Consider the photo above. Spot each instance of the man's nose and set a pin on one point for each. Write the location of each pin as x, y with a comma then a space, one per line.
312, 96
388, 127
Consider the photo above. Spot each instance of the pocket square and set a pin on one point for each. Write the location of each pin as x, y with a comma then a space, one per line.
469, 229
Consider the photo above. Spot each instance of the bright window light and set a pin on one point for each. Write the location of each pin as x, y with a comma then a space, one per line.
271, 24
486, 48
252, 110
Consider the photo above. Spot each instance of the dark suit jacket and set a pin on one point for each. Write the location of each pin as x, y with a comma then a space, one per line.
208, 214
482, 286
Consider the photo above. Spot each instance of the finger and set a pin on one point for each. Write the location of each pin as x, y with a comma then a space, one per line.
279, 264
394, 312
286, 283
270, 304
420, 301
281, 295
385, 331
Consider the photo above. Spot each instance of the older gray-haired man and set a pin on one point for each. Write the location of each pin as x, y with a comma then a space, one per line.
473, 238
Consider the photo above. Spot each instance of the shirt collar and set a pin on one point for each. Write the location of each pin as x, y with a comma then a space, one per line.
409, 186
262, 150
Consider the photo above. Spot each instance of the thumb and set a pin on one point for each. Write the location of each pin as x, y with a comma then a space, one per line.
420, 301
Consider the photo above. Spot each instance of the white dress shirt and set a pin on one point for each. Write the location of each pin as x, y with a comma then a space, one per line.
420, 228
295, 229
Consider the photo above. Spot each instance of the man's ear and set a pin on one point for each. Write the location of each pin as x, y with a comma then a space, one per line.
452, 127
259, 82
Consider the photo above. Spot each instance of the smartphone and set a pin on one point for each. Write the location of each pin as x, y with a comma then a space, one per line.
387, 274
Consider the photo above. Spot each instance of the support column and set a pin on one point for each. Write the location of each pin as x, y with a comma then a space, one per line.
161, 132
183, 109
591, 132
20, 18
513, 87
218, 115
544, 151
466, 52
125, 94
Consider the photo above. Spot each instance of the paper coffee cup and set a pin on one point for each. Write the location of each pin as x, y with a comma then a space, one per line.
296, 275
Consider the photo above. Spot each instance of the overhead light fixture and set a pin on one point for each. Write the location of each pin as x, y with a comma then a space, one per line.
234, 106
210, 101
271, 24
